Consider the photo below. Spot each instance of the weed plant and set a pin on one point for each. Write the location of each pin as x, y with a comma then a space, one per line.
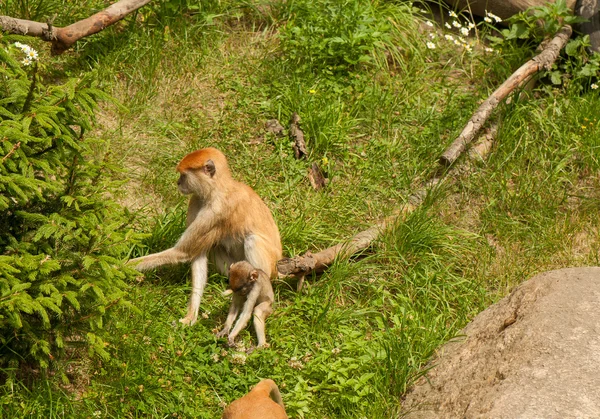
378, 106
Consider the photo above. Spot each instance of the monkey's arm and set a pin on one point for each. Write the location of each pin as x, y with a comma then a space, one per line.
198, 238
166, 257
236, 303
246, 314
261, 312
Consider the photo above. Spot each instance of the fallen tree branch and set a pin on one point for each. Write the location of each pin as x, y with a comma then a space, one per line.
299, 266
545, 59
64, 38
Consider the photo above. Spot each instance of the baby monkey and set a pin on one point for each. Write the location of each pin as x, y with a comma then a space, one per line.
252, 293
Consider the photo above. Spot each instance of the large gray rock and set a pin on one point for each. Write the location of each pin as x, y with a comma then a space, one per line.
534, 354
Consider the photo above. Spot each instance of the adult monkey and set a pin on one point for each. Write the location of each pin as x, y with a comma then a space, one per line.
226, 222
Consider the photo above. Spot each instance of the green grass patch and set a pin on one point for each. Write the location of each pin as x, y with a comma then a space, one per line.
378, 107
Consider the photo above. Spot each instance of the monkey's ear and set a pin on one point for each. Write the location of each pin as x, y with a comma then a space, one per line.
209, 168
253, 275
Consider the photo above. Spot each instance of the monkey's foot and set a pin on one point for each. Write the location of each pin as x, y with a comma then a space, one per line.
188, 320
222, 333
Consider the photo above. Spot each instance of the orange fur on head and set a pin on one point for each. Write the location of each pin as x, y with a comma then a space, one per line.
262, 402
198, 159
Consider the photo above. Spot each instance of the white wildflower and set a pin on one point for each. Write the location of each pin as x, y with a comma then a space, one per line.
487, 19
452, 14
492, 16
594, 86
307, 357
430, 45
295, 364
449, 37
429, 23
464, 31
432, 36
488, 49
336, 351
456, 24
471, 25
31, 55
447, 25
238, 358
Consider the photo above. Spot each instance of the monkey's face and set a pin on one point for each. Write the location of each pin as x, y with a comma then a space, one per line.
188, 182
195, 181
242, 277
199, 171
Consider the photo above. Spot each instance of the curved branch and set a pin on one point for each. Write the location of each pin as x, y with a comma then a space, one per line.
302, 265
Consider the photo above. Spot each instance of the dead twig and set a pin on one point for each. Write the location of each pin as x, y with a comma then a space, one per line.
274, 127
297, 136
12, 151
316, 177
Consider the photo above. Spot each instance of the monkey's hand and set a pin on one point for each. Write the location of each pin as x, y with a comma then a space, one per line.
138, 263
222, 333
231, 342
134, 262
188, 321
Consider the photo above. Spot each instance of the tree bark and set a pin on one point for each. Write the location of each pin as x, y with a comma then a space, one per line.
543, 60
64, 38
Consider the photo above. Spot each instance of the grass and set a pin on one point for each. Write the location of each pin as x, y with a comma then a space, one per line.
349, 346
